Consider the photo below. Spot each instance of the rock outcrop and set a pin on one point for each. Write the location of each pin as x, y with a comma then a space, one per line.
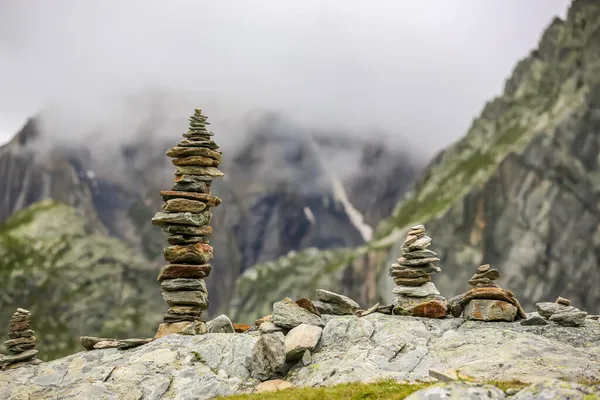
349, 349
519, 191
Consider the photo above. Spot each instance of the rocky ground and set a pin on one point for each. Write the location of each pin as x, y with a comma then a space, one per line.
327, 350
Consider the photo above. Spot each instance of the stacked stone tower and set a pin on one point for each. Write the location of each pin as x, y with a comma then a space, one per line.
21, 342
415, 293
186, 218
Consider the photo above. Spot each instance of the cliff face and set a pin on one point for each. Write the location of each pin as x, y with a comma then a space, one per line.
286, 189
519, 191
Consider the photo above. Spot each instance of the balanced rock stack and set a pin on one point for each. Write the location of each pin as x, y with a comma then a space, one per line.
186, 218
415, 293
486, 301
21, 342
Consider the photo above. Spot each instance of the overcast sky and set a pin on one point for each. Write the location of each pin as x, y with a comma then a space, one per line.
419, 69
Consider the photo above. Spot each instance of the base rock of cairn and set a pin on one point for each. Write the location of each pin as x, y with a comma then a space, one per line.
186, 219
415, 293
486, 301
21, 342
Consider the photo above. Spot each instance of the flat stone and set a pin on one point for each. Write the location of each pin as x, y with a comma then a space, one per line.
14, 358
199, 161
411, 238
482, 282
198, 187
333, 309
106, 344
308, 305
274, 385
18, 334
88, 342
23, 311
20, 341
173, 271
181, 284
404, 305
547, 309
572, 318
534, 320
430, 309
181, 218
426, 253
191, 143
176, 152
490, 310
198, 298
21, 347
398, 271
417, 261
184, 310
193, 178
417, 228
288, 315
181, 328
132, 343
210, 200
241, 328
368, 311
563, 301
491, 274
266, 318
189, 230
412, 281
171, 318
19, 326
335, 298
192, 170
301, 338
184, 205
221, 324
424, 290
186, 239
269, 327
197, 253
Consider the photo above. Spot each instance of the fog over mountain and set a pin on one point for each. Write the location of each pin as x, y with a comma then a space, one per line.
419, 70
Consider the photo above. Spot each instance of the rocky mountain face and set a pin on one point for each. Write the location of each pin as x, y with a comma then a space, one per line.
521, 190
286, 189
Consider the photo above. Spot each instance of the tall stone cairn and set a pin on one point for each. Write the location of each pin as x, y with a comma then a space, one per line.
21, 342
415, 293
186, 218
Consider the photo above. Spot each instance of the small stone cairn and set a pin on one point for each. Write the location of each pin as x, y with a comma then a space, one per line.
21, 342
415, 293
486, 301
560, 312
186, 218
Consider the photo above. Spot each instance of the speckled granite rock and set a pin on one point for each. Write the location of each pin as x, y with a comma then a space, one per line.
350, 349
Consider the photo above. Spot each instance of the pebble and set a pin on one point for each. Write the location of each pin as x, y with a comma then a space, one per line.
563, 301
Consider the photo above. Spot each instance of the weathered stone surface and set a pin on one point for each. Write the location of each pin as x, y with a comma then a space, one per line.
546, 309
197, 253
221, 324
174, 271
197, 187
335, 298
193, 151
268, 357
269, 327
490, 310
19, 357
181, 218
188, 230
459, 390
199, 161
186, 239
534, 319
412, 281
308, 305
197, 298
351, 349
179, 284
555, 389
88, 342
184, 205
274, 385
127, 344
332, 309
211, 201
288, 315
424, 290
192, 170
405, 305
182, 313
182, 328
106, 344
573, 318
301, 338
431, 309
458, 303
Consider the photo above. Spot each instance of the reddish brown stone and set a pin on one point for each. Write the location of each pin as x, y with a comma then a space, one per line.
172, 271
196, 160
308, 305
197, 253
412, 281
241, 328
431, 309
210, 200
262, 320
